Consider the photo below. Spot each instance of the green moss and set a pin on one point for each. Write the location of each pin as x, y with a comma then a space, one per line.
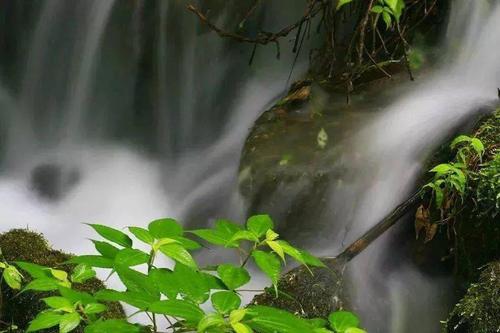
479, 310
25, 245
308, 295
477, 226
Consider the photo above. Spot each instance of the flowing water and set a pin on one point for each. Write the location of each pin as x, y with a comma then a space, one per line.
123, 111
131, 111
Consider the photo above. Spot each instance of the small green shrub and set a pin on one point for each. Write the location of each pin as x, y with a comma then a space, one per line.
175, 294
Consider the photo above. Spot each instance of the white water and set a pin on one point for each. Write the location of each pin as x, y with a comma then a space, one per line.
78, 89
59, 116
386, 158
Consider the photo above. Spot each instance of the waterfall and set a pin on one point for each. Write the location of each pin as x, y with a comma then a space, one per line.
126, 111
387, 155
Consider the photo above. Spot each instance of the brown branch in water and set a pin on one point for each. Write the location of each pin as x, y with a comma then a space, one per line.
377, 230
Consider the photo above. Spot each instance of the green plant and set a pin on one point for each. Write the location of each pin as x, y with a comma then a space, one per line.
10, 274
177, 294
488, 188
389, 9
448, 187
450, 179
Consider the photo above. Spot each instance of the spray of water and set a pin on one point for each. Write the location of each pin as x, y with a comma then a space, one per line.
167, 144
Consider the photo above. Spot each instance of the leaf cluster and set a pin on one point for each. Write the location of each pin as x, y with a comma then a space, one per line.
180, 294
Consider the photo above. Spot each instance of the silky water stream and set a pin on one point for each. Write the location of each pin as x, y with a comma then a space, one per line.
120, 112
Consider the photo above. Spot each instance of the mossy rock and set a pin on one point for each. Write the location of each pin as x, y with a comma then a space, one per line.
478, 227
313, 292
29, 246
479, 310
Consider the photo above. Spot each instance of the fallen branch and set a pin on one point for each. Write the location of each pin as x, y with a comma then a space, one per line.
320, 293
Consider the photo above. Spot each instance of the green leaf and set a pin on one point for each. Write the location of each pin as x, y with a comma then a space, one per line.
69, 322
459, 139
44, 320
211, 320
112, 326
322, 139
342, 320
237, 315
166, 282
260, 224
438, 192
163, 241
322, 330
269, 263
179, 254
142, 234
137, 281
12, 277
318, 322
221, 235
36, 271
276, 247
165, 228
94, 308
187, 243
354, 330
59, 275
271, 235
301, 256
192, 284
225, 301
113, 235
478, 146
267, 319
76, 296
131, 257
311, 260
92, 261
232, 276
387, 19
342, 3
44, 284
441, 168
140, 300
241, 328
178, 308
82, 273
391, 3
105, 249
377, 9
244, 235
59, 303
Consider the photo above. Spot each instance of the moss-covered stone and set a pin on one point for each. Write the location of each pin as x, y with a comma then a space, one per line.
308, 293
25, 245
479, 310
477, 226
